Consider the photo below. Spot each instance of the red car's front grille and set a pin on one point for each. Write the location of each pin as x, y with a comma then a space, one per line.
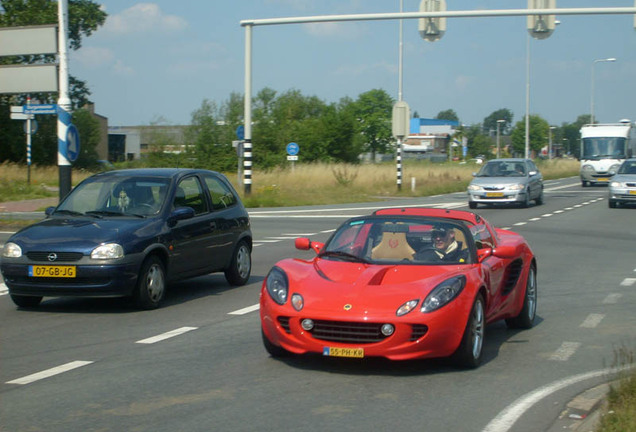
284, 323
419, 330
347, 332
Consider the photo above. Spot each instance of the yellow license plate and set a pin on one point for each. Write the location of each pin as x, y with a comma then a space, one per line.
494, 194
53, 271
632, 192
602, 179
343, 352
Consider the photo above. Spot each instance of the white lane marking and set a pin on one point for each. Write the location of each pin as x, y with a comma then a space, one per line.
547, 215
504, 421
534, 219
327, 231
628, 282
245, 310
569, 208
520, 223
280, 238
50, 372
559, 211
561, 187
565, 351
299, 234
592, 320
268, 241
612, 298
166, 335
4, 290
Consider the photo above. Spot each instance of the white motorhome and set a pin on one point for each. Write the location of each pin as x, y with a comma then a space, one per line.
603, 148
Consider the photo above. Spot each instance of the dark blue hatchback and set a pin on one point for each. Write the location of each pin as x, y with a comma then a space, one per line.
127, 233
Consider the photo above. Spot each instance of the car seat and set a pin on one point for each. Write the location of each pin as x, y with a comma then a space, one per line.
393, 244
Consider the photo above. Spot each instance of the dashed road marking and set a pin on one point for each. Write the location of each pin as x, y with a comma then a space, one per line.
612, 298
565, 351
50, 372
592, 320
245, 310
628, 282
166, 335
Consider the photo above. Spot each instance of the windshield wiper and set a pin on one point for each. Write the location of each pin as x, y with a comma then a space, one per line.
69, 212
104, 213
344, 255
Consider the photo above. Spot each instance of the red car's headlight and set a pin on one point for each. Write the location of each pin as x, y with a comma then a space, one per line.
277, 285
443, 293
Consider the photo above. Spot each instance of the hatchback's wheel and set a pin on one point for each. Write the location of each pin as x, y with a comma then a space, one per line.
470, 349
472, 205
526, 202
26, 301
525, 319
539, 199
151, 284
238, 273
273, 350
612, 204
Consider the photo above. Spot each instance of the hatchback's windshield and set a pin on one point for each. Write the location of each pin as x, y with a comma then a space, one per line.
503, 169
400, 240
116, 196
628, 167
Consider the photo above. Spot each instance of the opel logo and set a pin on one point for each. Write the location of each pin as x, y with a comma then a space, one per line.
52, 256
347, 307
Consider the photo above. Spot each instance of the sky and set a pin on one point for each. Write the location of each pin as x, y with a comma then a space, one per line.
156, 62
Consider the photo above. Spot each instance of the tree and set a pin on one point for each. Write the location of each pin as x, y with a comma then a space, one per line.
374, 110
448, 114
490, 122
539, 129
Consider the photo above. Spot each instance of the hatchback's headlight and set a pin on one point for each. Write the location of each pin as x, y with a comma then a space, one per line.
587, 168
614, 167
474, 187
107, 251
11, 250
615, 184
515, 187
443, 293
277, 285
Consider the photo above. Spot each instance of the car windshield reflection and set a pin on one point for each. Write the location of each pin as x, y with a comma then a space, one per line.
116, 197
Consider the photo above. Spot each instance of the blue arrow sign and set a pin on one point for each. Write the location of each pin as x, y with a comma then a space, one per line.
293, 149
72, 143
39, 109
240, 132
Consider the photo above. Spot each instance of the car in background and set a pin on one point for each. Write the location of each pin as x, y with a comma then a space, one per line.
127, 233
379, 288
506, 181
622, 187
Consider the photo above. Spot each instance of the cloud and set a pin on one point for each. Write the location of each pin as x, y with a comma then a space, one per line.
93, 57
121, 69
142, 18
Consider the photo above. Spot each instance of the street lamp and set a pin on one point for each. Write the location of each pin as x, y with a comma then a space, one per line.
611, 59
498, 123
550, 142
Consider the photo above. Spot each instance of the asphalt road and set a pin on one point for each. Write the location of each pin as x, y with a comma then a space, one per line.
197, 364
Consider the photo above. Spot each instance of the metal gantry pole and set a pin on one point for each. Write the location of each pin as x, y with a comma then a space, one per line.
247, 145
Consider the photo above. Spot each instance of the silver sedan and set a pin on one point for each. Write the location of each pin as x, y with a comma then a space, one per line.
506, 181
622, 188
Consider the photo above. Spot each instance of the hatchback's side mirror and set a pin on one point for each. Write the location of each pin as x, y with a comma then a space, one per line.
181, 213
49, 211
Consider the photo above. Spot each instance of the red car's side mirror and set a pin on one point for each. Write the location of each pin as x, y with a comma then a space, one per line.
303, 243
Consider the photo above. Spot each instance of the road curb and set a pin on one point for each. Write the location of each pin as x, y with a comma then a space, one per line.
584, 412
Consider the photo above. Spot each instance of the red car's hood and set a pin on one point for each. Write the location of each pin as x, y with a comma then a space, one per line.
327, 286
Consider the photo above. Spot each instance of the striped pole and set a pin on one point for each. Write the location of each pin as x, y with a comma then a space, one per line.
399, 164
64, 101
247, 166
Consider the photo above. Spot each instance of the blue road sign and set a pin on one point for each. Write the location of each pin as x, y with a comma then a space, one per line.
293, 149
39, 109
72, 143
240, 132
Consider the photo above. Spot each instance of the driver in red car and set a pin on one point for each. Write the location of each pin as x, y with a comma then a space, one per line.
445, 248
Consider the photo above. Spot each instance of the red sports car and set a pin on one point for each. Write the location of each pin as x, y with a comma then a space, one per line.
403, 283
